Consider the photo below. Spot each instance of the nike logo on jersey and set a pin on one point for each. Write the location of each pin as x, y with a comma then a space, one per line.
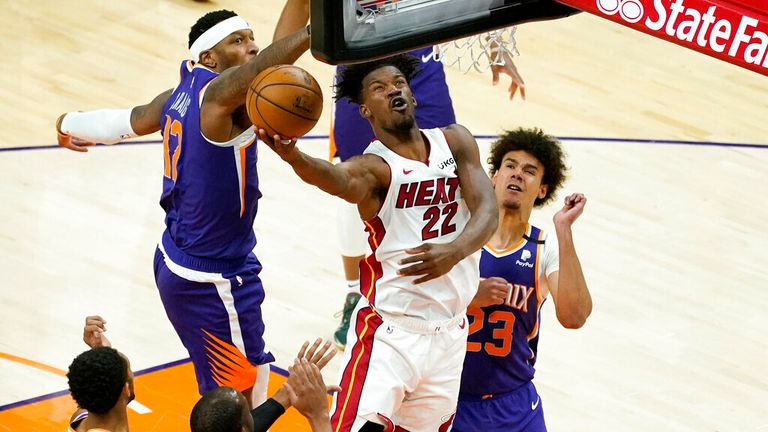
463, 323
535, 405
406, 172
427, 57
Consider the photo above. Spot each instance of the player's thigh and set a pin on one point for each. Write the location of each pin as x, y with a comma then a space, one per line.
376, 372
432, 405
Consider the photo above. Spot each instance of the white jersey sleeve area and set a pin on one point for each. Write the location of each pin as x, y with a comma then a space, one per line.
550, 259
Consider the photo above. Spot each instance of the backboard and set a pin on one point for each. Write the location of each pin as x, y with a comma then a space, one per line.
349, 31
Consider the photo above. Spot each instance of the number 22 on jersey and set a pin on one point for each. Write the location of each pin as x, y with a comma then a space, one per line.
172, 130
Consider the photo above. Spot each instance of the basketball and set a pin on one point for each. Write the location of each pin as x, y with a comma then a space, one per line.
284, 100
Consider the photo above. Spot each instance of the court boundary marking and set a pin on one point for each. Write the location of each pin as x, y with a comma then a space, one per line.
272, 368
563, 138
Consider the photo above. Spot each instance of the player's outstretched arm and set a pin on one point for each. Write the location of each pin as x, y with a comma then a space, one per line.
79, 130
356, 180
434, 260
226, 92
573, 303
294, 17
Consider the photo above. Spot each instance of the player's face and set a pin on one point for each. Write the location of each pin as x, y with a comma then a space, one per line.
518, 181
387, 100
235, 50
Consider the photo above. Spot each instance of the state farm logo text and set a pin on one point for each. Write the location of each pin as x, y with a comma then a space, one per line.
721, 31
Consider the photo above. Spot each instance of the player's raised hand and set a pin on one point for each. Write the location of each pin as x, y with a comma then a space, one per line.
431, 261
319, 357
70, 142
93, 332
285, 148
307, 391
510, 69
574, 206
492, 291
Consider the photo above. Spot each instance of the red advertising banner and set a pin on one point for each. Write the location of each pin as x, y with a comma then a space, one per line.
735, 31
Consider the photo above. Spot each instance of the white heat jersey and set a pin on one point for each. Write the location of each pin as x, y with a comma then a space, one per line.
423, 205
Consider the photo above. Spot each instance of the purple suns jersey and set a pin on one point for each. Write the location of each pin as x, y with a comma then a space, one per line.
210, 189
351, 133
502, 341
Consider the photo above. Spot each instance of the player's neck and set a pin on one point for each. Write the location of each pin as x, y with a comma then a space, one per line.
513, 223
116, 420
408, 144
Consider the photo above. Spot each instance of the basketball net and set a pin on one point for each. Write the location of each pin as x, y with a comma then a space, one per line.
478, 52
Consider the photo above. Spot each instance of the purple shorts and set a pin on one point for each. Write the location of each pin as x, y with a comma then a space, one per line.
218, 318
517, 411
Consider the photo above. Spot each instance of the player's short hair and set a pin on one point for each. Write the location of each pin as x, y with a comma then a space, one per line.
96, 379
545, 148
349, 83
207, 21
218, 410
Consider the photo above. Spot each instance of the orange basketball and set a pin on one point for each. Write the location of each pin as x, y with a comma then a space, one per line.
284, 100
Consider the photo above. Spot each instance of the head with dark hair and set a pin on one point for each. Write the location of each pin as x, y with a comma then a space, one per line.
206, 22
527, 162
381, 88
98, 378
235, 49
222, 409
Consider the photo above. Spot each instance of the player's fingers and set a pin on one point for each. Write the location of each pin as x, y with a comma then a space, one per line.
291, 392
512, 90
416, 269
418, 249
494, 76
329, 354
303, 349
331, 389
311, 353
414, 259
522, 91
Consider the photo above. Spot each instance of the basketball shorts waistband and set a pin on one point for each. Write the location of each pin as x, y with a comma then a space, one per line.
421, 326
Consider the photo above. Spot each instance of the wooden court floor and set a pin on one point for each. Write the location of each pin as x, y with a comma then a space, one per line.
670, 147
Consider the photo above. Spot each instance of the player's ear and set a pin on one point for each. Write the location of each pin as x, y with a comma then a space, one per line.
543, 191
364, 111
493, 179
414, 101
208, 59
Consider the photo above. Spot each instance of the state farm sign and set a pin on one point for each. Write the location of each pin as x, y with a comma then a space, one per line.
736, 33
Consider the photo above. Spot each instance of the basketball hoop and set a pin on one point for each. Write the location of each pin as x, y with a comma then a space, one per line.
478, 52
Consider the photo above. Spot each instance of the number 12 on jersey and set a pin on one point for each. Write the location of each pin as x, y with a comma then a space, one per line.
172, 128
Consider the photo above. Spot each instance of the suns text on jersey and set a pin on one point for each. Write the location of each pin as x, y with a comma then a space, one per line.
518, 296
429, 192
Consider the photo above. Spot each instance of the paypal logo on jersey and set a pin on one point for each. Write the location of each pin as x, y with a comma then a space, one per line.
523, 261
525, 255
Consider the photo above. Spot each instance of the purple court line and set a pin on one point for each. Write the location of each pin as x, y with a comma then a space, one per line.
615, 140
272, 368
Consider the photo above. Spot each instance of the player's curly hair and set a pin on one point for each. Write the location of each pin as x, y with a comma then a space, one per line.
207, 21
545, 148
96, 378
217, 411
349, 83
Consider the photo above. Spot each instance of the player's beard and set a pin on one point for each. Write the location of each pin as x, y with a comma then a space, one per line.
512, 204
402, 125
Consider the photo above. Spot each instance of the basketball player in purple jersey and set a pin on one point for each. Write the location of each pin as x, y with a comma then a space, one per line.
205, 268
520, 267
351, 134
428, 208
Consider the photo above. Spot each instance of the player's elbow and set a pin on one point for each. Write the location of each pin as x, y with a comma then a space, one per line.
575, 319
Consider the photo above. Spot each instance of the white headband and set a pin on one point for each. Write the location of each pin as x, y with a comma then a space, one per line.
216, 34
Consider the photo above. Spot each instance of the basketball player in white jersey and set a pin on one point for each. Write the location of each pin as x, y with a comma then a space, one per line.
428, 208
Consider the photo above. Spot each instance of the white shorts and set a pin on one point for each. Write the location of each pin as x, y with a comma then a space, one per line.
399, 372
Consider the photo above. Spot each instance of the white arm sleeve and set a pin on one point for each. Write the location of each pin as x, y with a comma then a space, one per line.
550, 259
106, 126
